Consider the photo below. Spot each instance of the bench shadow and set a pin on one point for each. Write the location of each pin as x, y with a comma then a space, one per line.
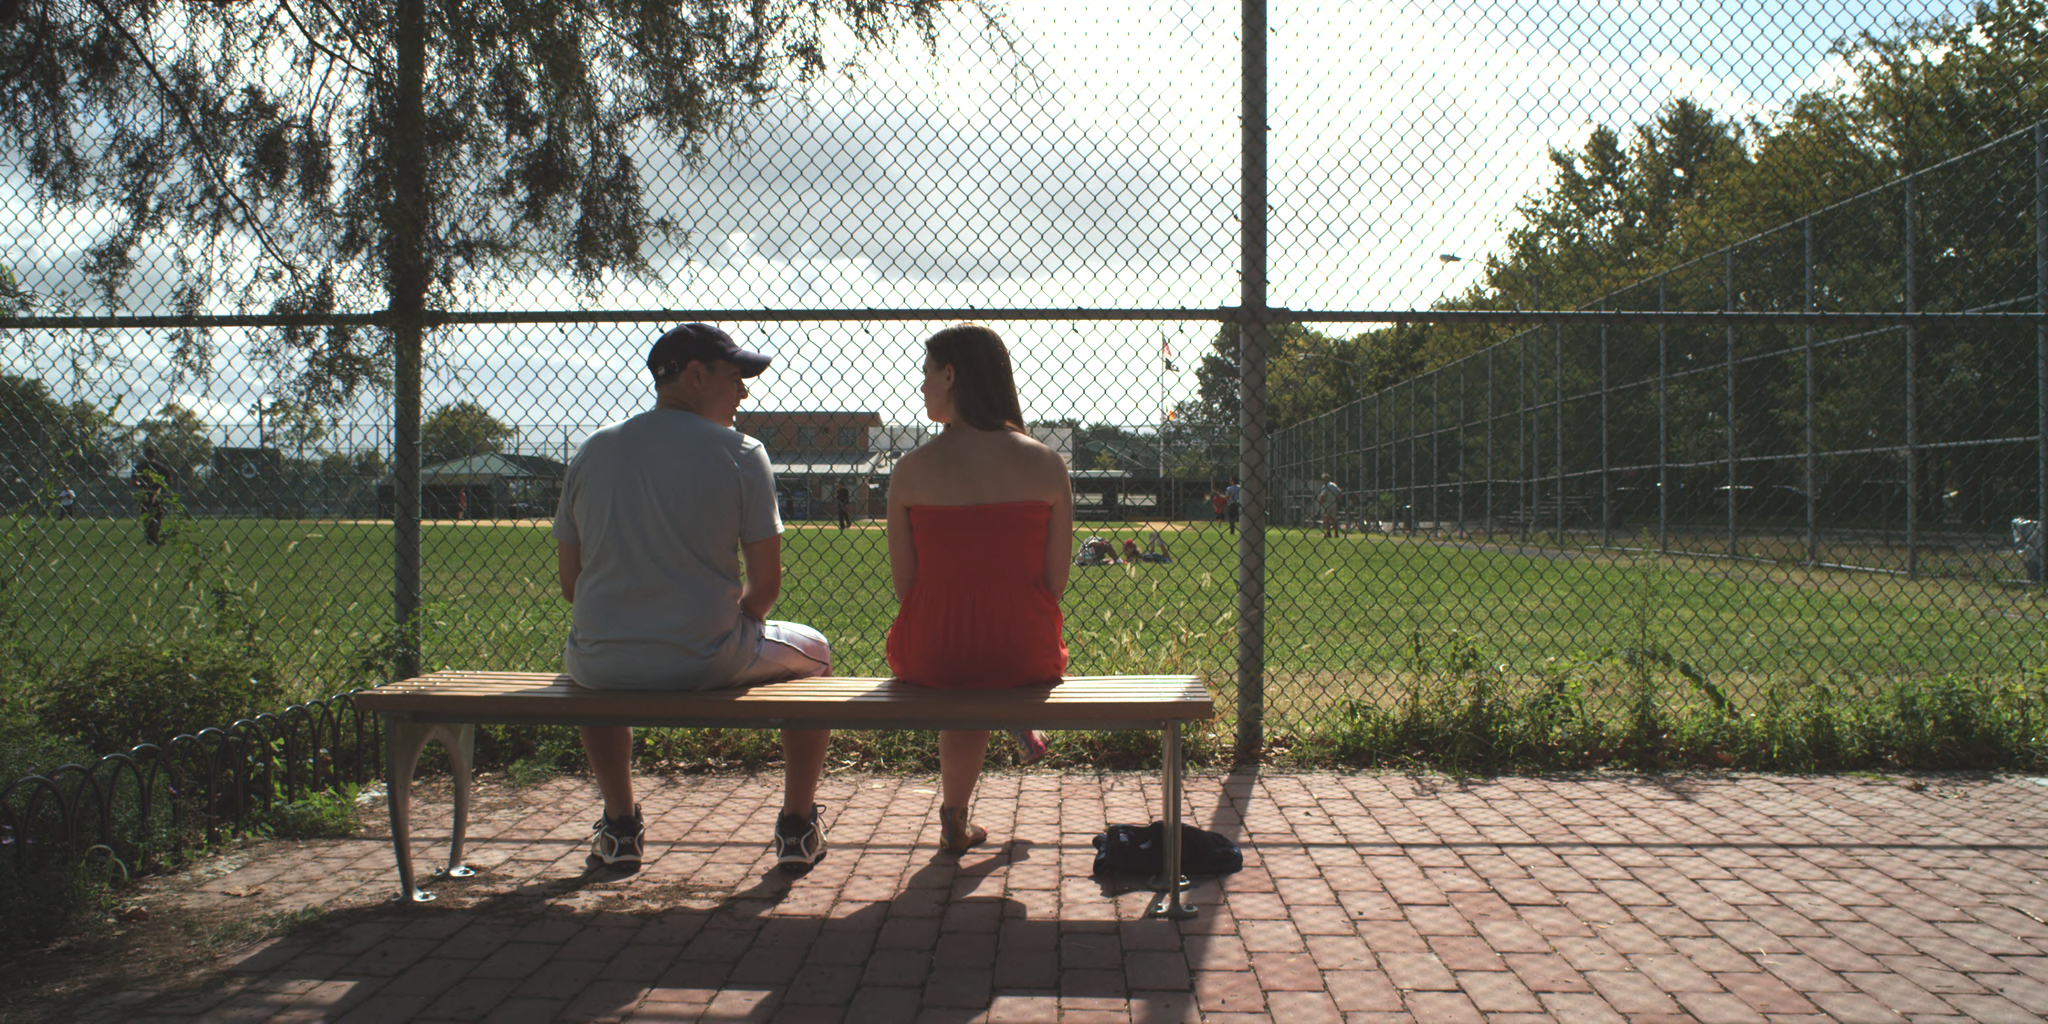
589, 947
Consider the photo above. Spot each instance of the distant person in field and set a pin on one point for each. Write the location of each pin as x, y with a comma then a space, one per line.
979, 522
655, 515
1131, 553
1221, 503
843, 498
1326, 505
67, 503
1231, 494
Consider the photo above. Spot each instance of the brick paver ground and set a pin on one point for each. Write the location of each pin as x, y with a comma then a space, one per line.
1365, 898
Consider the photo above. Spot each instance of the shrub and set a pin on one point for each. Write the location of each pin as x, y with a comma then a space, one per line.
206, 668
318, 816
148, 689
56, 899
26, 748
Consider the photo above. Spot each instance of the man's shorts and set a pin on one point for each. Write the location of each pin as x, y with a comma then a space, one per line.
772, 651
787, 650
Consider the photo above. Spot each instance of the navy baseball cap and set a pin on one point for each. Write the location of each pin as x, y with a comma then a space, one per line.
701, 342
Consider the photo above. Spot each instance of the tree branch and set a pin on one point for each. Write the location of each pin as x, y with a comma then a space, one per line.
194, 136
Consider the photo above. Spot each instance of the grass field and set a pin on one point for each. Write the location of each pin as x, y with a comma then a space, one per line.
1346, 617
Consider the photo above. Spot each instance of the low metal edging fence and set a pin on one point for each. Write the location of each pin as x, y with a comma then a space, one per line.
193, 783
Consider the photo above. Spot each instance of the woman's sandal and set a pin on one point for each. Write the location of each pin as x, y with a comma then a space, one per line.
1030, 745
956, 834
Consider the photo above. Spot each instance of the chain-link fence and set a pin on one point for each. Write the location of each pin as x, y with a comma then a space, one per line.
1817, 500
226, 414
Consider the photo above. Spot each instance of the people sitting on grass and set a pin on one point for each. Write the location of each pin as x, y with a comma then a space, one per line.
1096, 551
1154, 551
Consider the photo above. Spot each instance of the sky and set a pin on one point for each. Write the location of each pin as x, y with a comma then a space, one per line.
1092, 160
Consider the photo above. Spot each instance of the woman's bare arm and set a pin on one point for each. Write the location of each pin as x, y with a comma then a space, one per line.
902, 552
1059, 528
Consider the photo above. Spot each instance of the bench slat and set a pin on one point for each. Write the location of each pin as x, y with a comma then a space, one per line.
1093, 701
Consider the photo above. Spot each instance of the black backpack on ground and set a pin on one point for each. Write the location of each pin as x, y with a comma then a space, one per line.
1139, 850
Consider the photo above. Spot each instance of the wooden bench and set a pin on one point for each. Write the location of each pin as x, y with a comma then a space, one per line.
448, 706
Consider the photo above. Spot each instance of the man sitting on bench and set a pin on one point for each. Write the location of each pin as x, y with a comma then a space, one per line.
655, 514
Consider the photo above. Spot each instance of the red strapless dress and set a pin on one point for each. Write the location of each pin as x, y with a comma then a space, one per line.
979, 616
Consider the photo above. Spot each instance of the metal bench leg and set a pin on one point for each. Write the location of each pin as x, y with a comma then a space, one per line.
1169, 901
404, 740
460, 742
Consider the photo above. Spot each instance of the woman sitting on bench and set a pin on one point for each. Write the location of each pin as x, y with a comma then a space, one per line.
979, 521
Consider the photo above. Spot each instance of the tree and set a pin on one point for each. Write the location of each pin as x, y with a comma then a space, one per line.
1308, 373
27, 416
1613, 214
1946, 85
180, 440
460, 430
293, 425
92, 441
347, 155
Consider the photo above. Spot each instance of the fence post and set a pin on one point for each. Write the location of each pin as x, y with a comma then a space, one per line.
1436, 429
1912, 393
1489, 443
1663, 429
1374, 454
1606, 489
1557, 421
1525, 483
1812, 478
1728, 305
1464, 383
407, 267
1414, 460
2041, 339
1251, 411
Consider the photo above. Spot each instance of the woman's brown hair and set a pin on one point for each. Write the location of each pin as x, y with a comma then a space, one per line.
984, 389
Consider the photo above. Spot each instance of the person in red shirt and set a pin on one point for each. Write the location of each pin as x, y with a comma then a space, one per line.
979, 522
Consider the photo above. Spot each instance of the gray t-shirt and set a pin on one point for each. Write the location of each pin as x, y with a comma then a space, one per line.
660, 504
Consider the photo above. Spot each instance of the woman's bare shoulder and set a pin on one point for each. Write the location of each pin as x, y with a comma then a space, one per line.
910, 471
1044, 460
